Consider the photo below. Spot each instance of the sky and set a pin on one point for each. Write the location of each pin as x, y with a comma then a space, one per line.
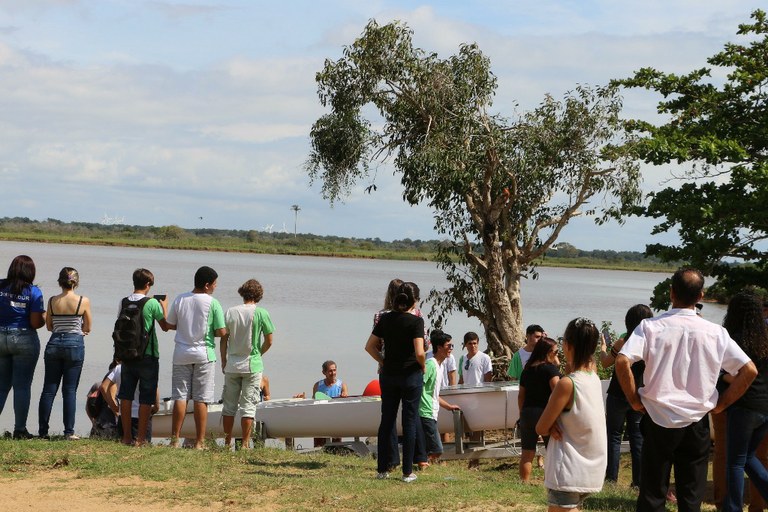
197, 113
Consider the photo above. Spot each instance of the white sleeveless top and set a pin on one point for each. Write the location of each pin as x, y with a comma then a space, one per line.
577, 462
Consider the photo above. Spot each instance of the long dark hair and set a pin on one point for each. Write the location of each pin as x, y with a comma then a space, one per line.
21, 273
407, 295
582, 335
744, 322
540, 351
635, 315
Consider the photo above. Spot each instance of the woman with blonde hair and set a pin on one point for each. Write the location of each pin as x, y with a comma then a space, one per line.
69, 320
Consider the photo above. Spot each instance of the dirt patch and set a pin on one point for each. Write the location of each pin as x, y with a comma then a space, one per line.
56, 490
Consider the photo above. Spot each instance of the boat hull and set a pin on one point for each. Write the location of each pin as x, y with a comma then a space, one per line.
490, 406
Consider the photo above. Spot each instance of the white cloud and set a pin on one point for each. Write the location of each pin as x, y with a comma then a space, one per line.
206, 108
255, 133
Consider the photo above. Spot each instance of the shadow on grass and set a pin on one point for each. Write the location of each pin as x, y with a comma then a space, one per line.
303, 465
613, 503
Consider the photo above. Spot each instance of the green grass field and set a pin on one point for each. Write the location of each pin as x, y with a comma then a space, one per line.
272, 479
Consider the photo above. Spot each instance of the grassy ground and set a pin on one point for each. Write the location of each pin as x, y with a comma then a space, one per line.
269, 479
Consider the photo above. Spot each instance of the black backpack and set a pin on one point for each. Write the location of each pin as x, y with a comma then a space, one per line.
130, 337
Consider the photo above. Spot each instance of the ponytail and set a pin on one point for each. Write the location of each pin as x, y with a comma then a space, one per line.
406, 297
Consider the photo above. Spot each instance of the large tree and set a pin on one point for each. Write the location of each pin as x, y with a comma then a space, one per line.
502, 190
720, 128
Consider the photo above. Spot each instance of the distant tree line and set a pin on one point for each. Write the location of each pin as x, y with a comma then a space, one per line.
328, 243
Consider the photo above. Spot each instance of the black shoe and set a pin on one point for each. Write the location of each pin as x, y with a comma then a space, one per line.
22, 434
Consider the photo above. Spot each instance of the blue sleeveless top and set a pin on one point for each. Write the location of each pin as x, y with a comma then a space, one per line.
333, 391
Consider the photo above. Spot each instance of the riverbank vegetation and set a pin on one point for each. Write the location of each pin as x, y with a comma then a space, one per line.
89, 472
173, 237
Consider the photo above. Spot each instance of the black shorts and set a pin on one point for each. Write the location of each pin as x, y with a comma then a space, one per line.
529, 416
143, 373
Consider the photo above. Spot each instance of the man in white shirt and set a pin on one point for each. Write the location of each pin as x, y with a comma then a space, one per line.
533, 333
197, 319
683, 355
474, 368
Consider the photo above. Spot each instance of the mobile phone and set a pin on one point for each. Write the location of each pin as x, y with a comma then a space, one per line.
160, 297
607, 336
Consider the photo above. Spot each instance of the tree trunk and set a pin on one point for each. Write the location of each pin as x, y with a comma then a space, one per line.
503, 328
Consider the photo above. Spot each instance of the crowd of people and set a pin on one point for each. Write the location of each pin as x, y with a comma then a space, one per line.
121, 406
671, 373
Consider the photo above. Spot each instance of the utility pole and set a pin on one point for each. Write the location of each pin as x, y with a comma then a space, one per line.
296, 208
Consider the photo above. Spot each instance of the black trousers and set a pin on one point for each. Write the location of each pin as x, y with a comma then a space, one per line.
687, 450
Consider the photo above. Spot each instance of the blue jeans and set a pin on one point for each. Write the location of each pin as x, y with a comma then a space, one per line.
617, 409
745, 430
63, 358
394, 389
19, 351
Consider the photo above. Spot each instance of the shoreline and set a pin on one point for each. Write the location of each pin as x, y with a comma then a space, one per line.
274, 250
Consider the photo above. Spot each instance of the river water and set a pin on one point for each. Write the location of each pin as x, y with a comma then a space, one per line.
322, 308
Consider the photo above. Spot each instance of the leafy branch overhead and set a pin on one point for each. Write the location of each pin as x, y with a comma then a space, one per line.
720, 211
501, 189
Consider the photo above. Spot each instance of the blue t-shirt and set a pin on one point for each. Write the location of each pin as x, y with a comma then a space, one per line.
16, 309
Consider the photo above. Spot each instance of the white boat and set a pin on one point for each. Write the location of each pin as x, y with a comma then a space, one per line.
490, 406
162, 421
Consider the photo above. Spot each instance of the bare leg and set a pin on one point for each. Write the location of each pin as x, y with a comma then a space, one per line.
247, 425
177, 420
201, 422
145, 411
526, 465
229, 423
125, 419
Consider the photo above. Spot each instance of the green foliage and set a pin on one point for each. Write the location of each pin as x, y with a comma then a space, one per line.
501, 189
719, 213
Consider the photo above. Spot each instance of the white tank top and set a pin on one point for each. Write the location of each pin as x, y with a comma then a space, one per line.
577, 462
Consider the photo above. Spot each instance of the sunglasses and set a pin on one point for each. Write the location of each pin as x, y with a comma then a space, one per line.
466, 365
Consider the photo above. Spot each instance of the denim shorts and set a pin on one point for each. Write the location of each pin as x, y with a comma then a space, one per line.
566, 499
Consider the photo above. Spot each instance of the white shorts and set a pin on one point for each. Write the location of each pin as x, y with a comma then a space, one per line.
193, 382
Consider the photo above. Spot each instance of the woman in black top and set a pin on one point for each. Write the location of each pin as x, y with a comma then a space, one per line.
539, 377
401, 376
747, 422
618, 412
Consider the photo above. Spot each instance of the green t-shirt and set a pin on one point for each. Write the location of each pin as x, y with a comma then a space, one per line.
262, 325
152, 311
215, 322
246, 323
515, 366
428, 395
